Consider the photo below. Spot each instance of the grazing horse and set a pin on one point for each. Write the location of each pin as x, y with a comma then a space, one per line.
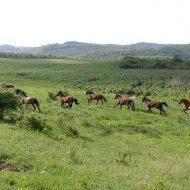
67, 99
121, 101
93, 96
157, 105
31, 100
187, 104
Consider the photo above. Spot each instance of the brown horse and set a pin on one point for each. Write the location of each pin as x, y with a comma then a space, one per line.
187, 104
67, 99
93, 96
31, 100
121, 101
157, 105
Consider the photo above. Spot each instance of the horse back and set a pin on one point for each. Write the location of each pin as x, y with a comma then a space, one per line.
67, 99
29, 100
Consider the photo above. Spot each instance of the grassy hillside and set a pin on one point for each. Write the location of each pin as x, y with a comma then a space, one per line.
94, 146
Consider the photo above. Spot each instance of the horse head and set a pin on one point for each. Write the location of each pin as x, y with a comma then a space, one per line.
182, 100
59, 93
145, 99
118, 96
89, 92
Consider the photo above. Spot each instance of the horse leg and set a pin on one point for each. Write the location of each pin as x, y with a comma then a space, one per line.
163, 111
34, 107
116, 105
97, 101
150, 110
71, 105
68, 105
38, 108
62, 103
102, 101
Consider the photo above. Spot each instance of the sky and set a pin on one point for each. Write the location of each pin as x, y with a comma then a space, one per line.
40, 22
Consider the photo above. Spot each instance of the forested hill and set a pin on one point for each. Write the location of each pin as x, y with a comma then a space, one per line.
81, 50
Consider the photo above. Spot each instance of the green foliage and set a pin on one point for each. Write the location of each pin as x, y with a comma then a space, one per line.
153, 63
96, 51
52, 96
8, 102
34, 122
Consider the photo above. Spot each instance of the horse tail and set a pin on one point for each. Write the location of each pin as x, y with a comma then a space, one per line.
133, 104
76, 101
37, 104
164, 103
104, 98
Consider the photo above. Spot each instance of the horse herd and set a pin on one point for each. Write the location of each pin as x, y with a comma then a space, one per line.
98, 97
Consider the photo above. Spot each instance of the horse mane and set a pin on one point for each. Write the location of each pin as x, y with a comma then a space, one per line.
185, 99
118, 95
146, 99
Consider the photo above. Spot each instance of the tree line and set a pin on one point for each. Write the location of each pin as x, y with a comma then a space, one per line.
25, 55
129, 62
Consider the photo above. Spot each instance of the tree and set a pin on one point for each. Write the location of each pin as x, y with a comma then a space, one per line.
8, 101
176, 58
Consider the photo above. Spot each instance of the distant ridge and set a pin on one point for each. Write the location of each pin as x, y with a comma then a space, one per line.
145, 44
82, 50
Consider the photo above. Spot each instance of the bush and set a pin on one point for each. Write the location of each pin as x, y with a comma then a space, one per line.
35, 123
8, 101
52, 96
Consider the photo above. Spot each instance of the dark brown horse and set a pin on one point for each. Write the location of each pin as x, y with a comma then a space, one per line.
67, 99
187, 104
124, 101
155, 104
9, 86
20, 92
31, 100
93, 96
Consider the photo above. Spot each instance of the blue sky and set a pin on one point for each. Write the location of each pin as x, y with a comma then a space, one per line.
41, 22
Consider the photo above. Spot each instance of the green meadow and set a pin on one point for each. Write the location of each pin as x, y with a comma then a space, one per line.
94, 146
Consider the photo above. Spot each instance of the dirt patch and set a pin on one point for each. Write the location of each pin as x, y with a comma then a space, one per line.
10, 167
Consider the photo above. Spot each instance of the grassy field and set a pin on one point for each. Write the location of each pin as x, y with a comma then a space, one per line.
94, 146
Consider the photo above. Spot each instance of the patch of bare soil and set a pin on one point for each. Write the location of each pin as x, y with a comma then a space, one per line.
11, 167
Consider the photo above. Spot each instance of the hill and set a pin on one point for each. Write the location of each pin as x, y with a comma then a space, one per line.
112, 51
82, 50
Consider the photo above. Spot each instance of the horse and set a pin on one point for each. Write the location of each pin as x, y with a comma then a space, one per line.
20, 92
187, 104
67, 99
93, 96
9, 86
155, 104
121, 101
31, 100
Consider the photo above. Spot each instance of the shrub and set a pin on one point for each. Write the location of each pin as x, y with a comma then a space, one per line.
51, 96
8, 101
35, 123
